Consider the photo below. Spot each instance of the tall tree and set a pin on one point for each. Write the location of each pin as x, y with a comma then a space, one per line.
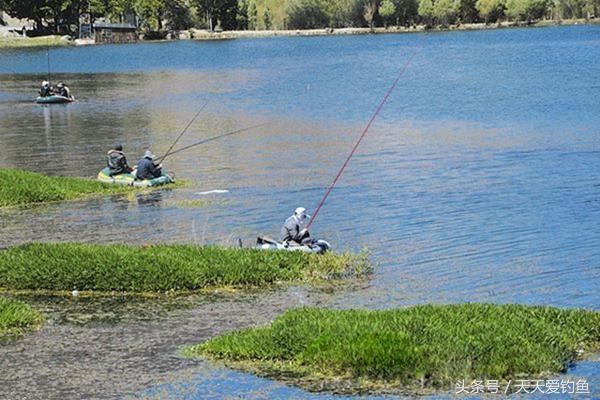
387, 10
370, 10
491, 10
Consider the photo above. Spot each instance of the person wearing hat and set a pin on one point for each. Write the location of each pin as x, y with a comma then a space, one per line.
293, 229
117, 162
63, 90
146, 169
46, 89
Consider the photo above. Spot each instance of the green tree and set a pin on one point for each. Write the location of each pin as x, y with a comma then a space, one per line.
468, 11
526, 10
387, 12
345, 13
151, 13
306, 14
491, 10
445, 11
426, 11
252, 15
267, 17
178, 15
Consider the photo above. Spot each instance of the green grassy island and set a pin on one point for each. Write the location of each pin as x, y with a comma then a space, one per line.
21, 188
410, 350
17, 317
162, 268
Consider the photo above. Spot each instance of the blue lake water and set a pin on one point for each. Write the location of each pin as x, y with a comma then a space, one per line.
478, 182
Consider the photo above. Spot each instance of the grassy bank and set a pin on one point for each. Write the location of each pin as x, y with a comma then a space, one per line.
17, 317
41, 41
18, 188
414, 349
161, 268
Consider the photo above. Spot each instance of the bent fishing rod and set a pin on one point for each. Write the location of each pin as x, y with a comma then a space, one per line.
211, 139
364, 132
183, 132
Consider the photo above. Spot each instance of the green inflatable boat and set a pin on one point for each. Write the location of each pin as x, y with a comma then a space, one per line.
54, 99
130, 180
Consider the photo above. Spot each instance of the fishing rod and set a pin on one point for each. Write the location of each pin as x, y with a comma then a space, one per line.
183, 132
364, 132
216, 138
48, 57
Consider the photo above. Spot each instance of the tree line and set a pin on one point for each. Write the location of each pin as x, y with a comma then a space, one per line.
159, 15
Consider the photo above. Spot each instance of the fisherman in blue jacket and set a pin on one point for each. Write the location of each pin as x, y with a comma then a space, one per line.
146, 169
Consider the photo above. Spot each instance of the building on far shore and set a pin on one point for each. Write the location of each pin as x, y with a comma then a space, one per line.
104, 32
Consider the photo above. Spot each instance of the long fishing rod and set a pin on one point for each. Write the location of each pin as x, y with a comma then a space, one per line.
216, 138
364, 132
183, 132
48, 57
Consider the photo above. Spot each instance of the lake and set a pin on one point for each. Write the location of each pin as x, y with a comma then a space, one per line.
477, 183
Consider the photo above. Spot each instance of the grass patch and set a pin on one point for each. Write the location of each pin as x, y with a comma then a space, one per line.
40, 41
20, 188
17, 317
415, 349
161, 268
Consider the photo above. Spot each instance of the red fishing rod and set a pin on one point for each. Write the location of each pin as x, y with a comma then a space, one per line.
364, 132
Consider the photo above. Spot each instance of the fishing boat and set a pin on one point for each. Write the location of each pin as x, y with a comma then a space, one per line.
54, 99
316, 246
128, 179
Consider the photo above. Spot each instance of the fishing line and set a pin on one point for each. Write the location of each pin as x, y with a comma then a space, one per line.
216, 137
183, 132
364, 132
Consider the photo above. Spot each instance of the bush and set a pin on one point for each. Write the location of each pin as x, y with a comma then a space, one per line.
17, 317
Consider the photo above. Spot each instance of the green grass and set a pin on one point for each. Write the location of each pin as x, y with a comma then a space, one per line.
41, 41
19, 188
413, 349
161, 268
17, 317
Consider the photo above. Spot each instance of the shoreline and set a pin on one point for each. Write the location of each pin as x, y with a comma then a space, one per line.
205, 35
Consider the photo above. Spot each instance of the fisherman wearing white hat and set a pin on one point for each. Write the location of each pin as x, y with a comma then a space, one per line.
46, 89
146, 169
294, 228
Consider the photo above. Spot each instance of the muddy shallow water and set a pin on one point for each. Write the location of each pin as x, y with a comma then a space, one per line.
478, 183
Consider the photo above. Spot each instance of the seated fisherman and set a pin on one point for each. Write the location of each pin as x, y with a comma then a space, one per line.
63, 90
293, 230
117, 162
146, 169
46, 89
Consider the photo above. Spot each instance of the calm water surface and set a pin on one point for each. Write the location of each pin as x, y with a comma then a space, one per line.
479, 182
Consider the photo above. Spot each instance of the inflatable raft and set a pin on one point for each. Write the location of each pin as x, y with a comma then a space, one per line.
130, 180
54, 99
316, 246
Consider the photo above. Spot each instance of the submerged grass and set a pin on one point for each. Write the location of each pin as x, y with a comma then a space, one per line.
17, 317
413, 349
161, 268
20, 188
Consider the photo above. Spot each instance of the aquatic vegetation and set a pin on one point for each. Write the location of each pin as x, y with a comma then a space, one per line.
412, 349
161, 268
19, 187
17, 317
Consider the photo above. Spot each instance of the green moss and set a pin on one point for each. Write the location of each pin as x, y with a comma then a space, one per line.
19, 188
17, 317
160, 268
417, 348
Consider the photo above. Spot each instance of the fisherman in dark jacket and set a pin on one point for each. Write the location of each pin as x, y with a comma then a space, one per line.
117, 163
146, 169
293, 230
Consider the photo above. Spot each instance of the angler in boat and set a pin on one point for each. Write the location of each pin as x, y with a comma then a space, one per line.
294, 236
49, 95
117, 162
46, 90
146, 169
293, 230
63, 90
